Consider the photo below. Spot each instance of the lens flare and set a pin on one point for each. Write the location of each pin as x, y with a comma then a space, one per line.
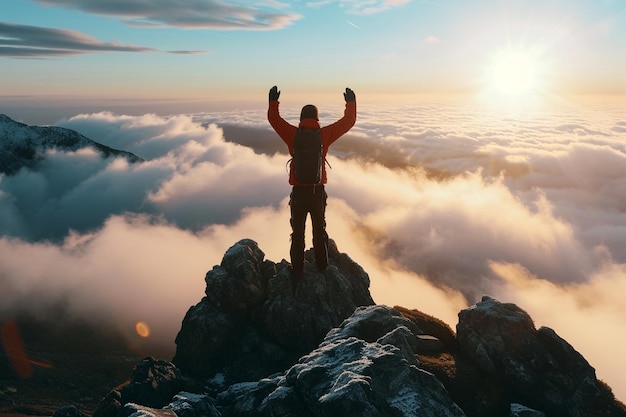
142, 329
14, 349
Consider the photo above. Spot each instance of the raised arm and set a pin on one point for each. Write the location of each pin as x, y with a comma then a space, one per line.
285, 130
334, 131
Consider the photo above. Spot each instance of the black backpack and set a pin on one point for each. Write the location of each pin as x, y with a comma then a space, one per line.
308, 156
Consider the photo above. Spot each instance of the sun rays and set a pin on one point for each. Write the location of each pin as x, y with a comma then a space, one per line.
516, 76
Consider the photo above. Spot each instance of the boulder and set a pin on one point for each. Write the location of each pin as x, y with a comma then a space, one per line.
349, 376
381, 324
537, 367
153, 383
187, 404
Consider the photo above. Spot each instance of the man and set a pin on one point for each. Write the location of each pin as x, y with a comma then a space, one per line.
309, 198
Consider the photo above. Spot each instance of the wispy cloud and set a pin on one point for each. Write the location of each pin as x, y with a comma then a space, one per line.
207, 14
21, 41
189, 52
371, 7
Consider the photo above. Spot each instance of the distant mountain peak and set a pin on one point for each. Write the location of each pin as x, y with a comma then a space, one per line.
6, 119
24, 146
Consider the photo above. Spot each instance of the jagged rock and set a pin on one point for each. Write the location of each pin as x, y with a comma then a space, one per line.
370, 323
380, 324
187, 404
518, 410
255, 320
537, 367
261, 344
153, 383
348, 376
137, 410
237, 286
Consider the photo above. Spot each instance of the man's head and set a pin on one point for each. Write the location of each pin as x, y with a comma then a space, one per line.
309, 112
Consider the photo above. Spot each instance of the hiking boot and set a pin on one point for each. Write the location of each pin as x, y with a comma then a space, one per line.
321, 257
297, 274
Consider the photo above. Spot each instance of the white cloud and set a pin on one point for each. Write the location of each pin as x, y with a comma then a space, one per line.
447, 231
525, 208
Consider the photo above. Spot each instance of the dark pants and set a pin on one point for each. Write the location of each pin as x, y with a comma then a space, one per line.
308, 200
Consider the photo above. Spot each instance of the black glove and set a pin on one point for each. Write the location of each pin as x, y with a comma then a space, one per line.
349, 95
274, 93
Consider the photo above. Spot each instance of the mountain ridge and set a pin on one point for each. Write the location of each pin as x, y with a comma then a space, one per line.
24, 146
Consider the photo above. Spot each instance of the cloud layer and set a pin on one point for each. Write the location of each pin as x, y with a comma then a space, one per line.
439, 204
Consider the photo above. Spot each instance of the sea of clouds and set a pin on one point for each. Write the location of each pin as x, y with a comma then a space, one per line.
440, 204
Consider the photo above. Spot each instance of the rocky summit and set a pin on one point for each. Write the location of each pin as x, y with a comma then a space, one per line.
260, 343
256, 320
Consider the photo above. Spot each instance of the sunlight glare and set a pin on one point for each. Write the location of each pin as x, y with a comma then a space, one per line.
515, 77
513, 73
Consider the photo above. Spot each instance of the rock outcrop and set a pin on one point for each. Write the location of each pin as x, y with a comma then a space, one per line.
365, 367
261, 344
538, 368
256, 320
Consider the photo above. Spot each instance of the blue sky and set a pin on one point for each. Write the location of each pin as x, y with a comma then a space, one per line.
219, 50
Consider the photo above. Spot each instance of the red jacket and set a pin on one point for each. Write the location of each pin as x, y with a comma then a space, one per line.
330, 133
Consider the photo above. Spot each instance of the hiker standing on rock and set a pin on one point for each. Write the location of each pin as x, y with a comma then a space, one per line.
308, 145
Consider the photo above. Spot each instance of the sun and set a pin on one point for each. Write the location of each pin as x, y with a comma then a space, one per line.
514, 75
